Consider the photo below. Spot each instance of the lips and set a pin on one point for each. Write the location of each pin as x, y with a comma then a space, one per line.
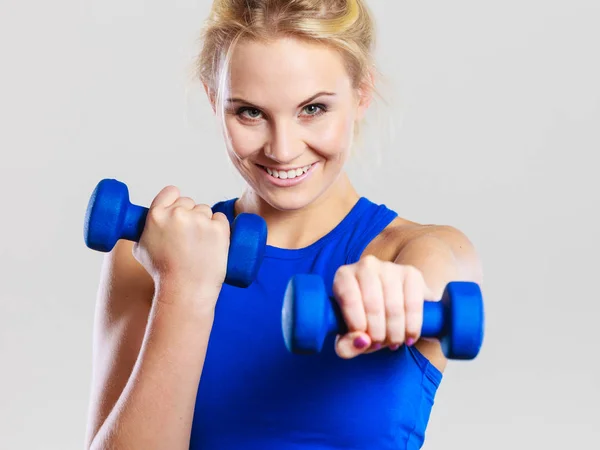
287, 173
287, 177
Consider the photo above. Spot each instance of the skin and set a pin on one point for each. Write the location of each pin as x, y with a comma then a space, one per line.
155, 305
272, 125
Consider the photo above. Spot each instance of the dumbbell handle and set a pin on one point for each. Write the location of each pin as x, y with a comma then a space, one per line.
432, 327
135, 220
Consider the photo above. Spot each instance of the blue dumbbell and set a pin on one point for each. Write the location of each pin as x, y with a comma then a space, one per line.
309, 315
110, 217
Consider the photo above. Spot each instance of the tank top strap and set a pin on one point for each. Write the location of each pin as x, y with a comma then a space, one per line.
374, 218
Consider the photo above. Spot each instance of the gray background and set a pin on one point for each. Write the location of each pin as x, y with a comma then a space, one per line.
493, 126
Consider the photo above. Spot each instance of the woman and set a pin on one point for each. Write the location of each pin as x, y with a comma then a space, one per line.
291, 81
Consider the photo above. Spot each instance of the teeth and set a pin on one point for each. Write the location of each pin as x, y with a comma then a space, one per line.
285, 174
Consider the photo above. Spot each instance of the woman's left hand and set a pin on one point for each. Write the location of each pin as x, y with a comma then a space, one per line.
381, 303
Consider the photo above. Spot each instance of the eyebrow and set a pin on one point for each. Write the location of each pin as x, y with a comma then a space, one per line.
308, 100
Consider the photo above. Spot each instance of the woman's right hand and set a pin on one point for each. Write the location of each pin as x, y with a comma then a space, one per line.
184, 246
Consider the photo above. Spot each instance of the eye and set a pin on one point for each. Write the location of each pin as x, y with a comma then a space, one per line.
250, 113
253, 114
315, 109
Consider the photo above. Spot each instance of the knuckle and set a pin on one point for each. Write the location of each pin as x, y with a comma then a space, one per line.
392, 268
413, 303
396, 329
413, 296
376, 322
368, 261
179, 214
375, 307
374, 304
390, 273
204, 211
350, 302
222, 227
348, 298
343, 282
413, 325
203, 207
217, 232
202, 218
412, 273
395, 307
220, 217
343, 272
220, 220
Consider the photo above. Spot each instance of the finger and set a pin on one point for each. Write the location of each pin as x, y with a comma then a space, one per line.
393, 293
346, 292
372, 298
224, 221
204, 210
352, 344
165, 197
220, 217
414, 292
184, 202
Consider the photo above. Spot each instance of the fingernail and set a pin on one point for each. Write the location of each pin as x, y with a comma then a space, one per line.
376, 346
394, 347
410, 341
361, 342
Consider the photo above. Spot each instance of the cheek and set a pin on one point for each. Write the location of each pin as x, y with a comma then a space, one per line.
334, 137
244, 140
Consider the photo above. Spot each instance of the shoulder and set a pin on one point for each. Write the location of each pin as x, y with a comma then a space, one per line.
402, 232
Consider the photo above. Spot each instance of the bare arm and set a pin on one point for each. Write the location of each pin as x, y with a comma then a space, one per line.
148, 357
443, 254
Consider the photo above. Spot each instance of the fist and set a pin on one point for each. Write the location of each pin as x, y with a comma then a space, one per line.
184, 244
381, 303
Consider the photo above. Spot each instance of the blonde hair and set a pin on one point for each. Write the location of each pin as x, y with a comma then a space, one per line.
346, 26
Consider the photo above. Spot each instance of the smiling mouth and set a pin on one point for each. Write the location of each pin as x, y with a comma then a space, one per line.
286, 174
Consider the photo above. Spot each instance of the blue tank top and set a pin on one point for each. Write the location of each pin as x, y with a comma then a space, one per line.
255, 395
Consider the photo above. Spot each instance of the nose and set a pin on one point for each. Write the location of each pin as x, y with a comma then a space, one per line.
284, 144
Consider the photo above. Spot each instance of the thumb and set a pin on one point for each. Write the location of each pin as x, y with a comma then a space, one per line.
352, 344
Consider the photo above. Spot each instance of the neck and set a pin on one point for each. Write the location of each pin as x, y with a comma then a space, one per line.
299, 228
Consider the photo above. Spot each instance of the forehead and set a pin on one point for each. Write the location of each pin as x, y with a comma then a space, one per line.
287, 69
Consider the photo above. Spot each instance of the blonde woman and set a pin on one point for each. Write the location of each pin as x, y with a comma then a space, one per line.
183, 361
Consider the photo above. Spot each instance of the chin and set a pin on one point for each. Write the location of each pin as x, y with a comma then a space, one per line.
285, 199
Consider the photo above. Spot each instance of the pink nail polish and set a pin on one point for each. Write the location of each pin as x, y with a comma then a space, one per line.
410, 341
376, 346
361, 342
394, 347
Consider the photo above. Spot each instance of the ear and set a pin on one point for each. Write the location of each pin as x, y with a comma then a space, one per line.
365, 94
211, 96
